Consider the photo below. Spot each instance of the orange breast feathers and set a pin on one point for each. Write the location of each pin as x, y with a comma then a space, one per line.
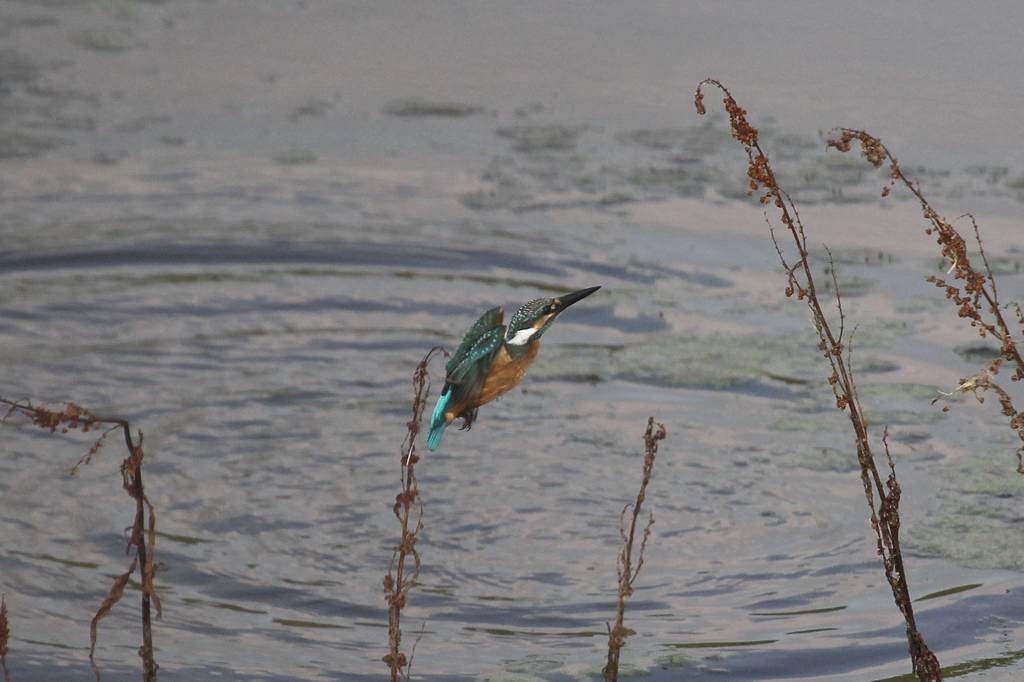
507, 372
504, 375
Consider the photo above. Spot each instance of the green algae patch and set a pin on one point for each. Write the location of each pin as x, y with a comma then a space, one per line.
509, 677
532, 666
754, 363
804, 612
826, 460
711, 363
970, 541
967, 667
310, 583
419, 108
909, 391
1006, 264
504, 632
989, 474
897, 417
855, 255
370, 624
948, 591
676, 661
681, 181
874, 366
221, 605
978, 353
849, 287
810, 631
183, 539
288, 622
70, 563
698, 140
101, 40
233, 607
722, 645
295, 157
625, 671
20, 145
55, 645
542, 137
578, 363
792, 381
488, 597
804, 424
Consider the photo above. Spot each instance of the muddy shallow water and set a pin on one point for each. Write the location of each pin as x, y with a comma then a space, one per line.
242, 224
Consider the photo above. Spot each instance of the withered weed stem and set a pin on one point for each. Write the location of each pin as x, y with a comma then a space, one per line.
5, 635
72, 417
408, 509
885, 519
627, 573
973, 292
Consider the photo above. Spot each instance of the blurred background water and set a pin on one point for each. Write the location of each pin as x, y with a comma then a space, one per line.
241, 224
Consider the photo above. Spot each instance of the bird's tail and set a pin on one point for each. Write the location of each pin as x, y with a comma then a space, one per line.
437, 421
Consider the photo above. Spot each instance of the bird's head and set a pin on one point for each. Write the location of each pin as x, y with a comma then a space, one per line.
533, 318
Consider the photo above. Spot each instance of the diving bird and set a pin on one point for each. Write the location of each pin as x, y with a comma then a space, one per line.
493, 358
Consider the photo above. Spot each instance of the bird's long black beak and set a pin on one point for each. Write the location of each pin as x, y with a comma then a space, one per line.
563, 302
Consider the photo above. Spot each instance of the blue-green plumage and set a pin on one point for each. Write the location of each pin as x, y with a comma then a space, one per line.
492, 358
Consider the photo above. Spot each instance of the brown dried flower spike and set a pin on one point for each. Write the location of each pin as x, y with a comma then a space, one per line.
884, 514
972, 292
143, 535
5, 629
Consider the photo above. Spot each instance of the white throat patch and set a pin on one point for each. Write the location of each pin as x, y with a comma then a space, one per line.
522, 336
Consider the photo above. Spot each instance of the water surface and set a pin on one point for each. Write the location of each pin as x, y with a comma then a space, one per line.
241, 225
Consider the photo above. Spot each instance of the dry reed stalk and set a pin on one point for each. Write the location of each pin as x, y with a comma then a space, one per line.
72, 417
400, 578
5, 635
973, 293
627, 574
885, 519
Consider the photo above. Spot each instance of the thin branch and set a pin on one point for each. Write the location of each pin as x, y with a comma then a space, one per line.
412, 651
627, 574
839, 299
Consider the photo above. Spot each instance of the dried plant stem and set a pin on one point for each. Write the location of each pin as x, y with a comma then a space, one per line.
628, 574
146, 563
408, 509
72, 417
973, 292
5, 635
885, 520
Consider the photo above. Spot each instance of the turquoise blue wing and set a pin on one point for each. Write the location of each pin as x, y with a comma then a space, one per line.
488, 322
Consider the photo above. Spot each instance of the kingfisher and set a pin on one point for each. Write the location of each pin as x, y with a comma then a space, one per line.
493, 358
